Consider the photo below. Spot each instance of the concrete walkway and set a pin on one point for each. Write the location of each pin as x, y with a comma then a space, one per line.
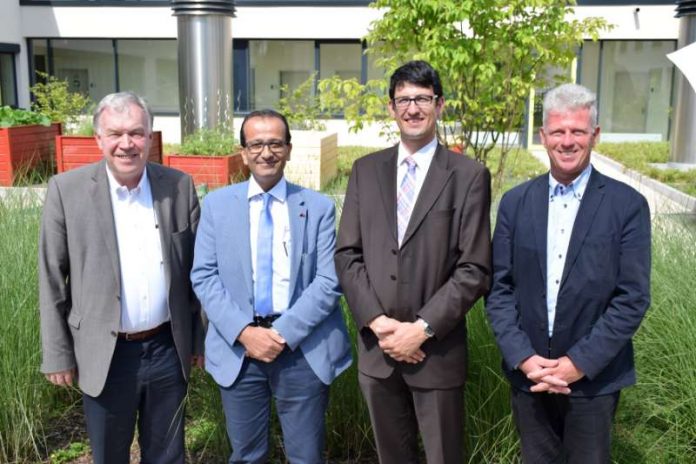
662, 198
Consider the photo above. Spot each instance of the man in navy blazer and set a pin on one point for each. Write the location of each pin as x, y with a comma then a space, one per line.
571, 262
270, 292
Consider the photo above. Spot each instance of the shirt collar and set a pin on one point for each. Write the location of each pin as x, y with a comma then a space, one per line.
426, 151
279, 192
577, 186
118, 189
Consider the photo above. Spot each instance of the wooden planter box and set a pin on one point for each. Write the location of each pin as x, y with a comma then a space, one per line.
214, 171
314, 158
23, 147
73, 151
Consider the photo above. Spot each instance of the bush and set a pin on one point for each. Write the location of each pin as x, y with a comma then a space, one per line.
638, 156
54, 99
11, 117
209, 142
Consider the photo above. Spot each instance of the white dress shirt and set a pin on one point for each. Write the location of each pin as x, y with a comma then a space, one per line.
143, 284
564, 203
423, 158
282, 243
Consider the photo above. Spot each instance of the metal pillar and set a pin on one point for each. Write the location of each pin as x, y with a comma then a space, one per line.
204, 31
684, 136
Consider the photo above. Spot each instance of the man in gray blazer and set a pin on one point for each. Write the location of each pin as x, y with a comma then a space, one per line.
118, 314
413, 256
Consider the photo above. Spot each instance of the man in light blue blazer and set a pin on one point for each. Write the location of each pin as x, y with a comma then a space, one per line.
264, 273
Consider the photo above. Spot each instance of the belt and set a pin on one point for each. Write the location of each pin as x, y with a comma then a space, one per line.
265, 321
145, 334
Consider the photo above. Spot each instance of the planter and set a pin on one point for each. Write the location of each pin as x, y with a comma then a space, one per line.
73, 151
314, 158
23, 148
214, 171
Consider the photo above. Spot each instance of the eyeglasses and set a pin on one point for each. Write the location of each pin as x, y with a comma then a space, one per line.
421, 101
276, 147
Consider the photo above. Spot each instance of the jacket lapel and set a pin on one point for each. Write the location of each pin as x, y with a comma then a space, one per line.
540, 219
162, 203
387, 174
589, 205
99, 194
297, 210
435, 180
237, 226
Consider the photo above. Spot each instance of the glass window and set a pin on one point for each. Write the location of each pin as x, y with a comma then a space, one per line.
39, 59
340, 59
635, 87
87, 65
589, 65
8, 84
149, 68
275, 63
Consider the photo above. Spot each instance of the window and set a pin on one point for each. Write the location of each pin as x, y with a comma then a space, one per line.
340, 59
149, 68
274, 63
87, 65
8, 84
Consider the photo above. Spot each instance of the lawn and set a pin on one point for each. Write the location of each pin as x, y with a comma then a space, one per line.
656, 421
639, 156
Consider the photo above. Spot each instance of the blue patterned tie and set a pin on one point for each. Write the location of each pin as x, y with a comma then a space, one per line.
264, 260
406, 197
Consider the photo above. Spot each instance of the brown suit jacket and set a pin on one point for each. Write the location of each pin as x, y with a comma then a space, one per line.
80, 277
441, 269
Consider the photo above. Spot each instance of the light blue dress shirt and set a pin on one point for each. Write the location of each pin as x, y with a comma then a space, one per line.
564, 203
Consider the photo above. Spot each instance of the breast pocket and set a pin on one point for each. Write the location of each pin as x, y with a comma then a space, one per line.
182, 247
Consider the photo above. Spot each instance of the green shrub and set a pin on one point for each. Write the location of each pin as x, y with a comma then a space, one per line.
209, 142
638, 156
11, 117
54, 99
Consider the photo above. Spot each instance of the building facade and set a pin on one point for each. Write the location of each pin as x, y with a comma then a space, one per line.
102, 46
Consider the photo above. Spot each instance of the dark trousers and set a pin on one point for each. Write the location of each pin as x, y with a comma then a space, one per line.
398, 412
557, 428
300, 398
145, 384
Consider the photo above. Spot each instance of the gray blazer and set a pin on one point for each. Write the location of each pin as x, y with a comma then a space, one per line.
79, 274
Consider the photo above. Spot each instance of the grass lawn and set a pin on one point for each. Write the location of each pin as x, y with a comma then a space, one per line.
638, 156
656, 420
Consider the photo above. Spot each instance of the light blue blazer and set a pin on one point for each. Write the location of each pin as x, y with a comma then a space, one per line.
222, 279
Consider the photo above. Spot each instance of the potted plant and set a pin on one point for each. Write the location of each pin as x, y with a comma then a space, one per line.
211, 157
26, 141
77, 146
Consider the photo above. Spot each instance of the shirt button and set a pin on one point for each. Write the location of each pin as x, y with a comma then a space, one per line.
556, 281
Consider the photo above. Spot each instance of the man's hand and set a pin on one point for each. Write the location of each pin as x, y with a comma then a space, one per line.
404, 342
565, 372
538, 370
383, 325
62, 378
261, 343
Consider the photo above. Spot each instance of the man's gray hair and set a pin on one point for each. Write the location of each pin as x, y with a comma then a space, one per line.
120, 102
569, 97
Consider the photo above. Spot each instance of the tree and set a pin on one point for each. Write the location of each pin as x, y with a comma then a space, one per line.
490, 54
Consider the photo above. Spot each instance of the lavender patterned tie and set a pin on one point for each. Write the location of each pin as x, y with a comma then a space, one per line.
406, 197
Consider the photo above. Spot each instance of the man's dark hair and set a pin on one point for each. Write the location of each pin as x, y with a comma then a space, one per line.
418, 73
264, 114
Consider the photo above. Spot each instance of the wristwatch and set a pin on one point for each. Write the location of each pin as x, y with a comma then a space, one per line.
429, 332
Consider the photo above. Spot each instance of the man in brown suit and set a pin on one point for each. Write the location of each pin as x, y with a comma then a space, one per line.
413, 256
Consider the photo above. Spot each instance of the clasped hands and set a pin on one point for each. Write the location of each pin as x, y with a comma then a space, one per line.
551, 375
261, 343
400, 340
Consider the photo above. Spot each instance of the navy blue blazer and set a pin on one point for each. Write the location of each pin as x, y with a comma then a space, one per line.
604, 291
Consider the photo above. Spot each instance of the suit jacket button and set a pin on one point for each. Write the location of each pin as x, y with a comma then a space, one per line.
392, 277
394, 251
